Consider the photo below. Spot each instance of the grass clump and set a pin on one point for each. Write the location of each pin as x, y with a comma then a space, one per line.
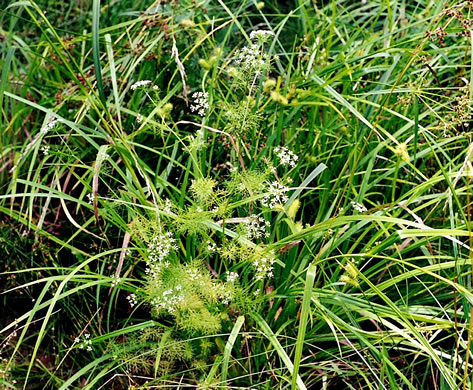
236, 194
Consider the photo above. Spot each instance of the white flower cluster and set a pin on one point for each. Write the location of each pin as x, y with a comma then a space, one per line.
225, 295
232, 276
45, 149
132, 300
261, 34
139, 84
252, 60
358, 207
49, 126
169, 300
115, 281
90, 197
211, 246
256, 227
275, 195
159, 248
194, 273
286, 156
86, 342
264, 266
167, 208
200, 102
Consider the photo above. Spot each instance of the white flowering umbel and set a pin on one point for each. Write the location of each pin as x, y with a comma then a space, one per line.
261, 35
286, 156
223, 292
256, 227
252, 60
169, 300
200, 102
158, 250
132, 300
139, 84
358, 207
263, 264
85, 343
276, 195
232, 276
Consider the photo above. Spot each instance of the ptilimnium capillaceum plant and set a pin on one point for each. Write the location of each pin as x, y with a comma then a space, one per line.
170, 247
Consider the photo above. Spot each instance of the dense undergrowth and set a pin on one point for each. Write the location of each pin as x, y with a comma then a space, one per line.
236, 194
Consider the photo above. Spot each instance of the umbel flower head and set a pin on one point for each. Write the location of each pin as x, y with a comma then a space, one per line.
276, 195
158, 250
139, 84
286, 156
261, 35
200, 102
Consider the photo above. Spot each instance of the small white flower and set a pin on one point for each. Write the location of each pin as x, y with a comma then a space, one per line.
45, 149
200, 103
252, 60
115, 281
286, 156
159, 248
256, 227
232, 276
90, 198
132, 300
275, 195
261, 34
358, 207
169, 300
167, 208
211, 247
263, 265
139, 84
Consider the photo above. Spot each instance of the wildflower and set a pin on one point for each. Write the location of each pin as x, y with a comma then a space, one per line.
286, 156
276, 195
169, 300
159, 248
132, 301
211, 247
115, 281
139, 84
225, 294
167, 208
359, 207
139, 118
232, 276
45, 149
200, 102
86, 342
90, 197
256, 227
261, 35
264, 265
252, 60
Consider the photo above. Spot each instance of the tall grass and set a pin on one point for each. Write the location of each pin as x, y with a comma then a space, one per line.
372, 279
